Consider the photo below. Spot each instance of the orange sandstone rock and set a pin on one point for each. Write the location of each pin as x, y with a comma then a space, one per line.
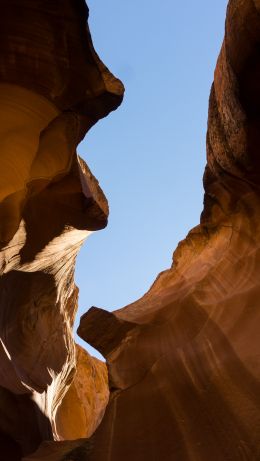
83, 406
53, 88
183, 361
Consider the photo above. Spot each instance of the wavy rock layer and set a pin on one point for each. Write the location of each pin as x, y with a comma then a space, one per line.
184, 360
53, 88
83, 406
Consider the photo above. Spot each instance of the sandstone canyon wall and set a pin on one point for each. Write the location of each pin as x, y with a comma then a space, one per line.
183, 361
53, 88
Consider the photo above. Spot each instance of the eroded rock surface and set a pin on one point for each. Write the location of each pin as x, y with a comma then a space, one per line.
184, 360
53, 88
83, 406
185, 375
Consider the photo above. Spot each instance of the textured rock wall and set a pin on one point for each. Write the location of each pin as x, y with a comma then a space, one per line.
53, 88
184, 360
83, 406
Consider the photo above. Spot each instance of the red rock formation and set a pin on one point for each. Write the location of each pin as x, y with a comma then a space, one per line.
184, 360
83, 406
53, 88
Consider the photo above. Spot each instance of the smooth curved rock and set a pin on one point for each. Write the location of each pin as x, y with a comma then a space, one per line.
184, 360
53, 88
185, 379
83, 406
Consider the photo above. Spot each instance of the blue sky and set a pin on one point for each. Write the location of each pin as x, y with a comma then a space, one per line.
150, 154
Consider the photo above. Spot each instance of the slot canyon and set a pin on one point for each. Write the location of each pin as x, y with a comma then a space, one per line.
181, 377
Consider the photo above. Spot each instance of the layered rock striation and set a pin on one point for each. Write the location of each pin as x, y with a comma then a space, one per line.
183, 361
53, 88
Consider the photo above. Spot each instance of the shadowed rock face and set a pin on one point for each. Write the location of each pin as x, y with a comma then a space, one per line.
183, 361
53, 88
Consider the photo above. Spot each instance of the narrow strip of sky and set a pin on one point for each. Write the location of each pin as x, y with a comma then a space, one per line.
149, 155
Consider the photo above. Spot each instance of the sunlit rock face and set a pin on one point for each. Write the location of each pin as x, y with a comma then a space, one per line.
53, 88
83, 406
184, 360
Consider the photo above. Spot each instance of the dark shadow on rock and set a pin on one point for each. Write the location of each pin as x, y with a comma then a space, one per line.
22, 425
62, 205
